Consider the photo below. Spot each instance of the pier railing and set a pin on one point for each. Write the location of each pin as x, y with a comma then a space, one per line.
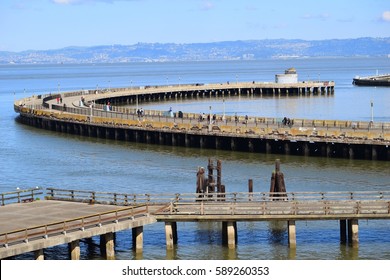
116, 198
123, 113
71, 225
208, 206
246, 205
112, 198
21, 196
304, 205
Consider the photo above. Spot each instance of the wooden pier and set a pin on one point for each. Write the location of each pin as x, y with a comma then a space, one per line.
66, 216
98, 114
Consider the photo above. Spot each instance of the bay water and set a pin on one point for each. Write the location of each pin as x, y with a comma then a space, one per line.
32, 157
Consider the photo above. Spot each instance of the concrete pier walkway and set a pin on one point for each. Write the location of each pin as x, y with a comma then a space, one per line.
100, 114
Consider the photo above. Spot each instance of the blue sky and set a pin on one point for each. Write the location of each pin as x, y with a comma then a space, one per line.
51, 24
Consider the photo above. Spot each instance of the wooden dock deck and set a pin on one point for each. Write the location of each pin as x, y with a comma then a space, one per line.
67, 216
36, 225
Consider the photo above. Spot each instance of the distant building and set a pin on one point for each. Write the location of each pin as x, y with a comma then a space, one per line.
290, 76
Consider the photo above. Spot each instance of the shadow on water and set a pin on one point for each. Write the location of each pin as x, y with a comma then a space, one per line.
277, 232
348, 252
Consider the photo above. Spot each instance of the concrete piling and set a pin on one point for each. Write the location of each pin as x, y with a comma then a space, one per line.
292, 238
170, 235
138, 238
74, 250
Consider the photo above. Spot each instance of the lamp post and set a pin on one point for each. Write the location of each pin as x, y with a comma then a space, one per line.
223, 116
372, 111
210, 115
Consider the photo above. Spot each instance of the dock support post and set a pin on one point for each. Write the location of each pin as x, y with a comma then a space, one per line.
187, 142
232, 144
138, 238
74, 250
202, 142
268, 147
374, 154
170, 234
109, 245
174, 139
38, 255
286, 148
306, 149
229, 234
351, 152
343, 231
251, 147
353, 232
217, 143
250, 189
292, 236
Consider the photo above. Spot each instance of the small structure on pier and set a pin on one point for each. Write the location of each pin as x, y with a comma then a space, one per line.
290, 76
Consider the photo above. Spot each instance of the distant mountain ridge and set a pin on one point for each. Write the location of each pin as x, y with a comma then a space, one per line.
228, 50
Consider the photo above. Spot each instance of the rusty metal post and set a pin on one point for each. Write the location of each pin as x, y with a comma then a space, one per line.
277, 165
277, 182
210, 168
219, 175
250, 189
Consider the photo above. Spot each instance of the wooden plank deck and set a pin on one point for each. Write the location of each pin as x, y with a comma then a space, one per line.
26, 227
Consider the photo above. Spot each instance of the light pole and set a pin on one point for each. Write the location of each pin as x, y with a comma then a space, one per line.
372, 111
92, 103
210, 115
223, 116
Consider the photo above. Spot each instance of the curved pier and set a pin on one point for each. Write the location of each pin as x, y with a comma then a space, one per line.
87, 113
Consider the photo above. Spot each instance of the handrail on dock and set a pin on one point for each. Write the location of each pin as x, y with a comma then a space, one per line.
69, 225
19, 196
135, 199
209, 206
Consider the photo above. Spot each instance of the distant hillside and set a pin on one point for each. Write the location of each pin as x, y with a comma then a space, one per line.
231, 50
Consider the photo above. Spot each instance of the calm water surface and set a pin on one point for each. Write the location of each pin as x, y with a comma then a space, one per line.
32, 157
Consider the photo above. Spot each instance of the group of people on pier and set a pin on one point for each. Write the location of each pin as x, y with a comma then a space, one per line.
287, 121
210, 119
140, 112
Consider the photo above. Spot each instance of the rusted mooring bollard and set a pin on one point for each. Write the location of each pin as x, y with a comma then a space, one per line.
278, 187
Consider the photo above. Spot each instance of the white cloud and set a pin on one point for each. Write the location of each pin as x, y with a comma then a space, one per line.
70, 2
323, 16
66, 2
386, 16
207, 5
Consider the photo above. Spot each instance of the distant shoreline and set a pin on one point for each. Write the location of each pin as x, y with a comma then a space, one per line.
217, 51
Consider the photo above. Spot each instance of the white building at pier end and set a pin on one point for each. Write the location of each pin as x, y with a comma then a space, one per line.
290, 76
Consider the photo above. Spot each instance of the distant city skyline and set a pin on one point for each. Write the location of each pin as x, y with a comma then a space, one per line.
53, 24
